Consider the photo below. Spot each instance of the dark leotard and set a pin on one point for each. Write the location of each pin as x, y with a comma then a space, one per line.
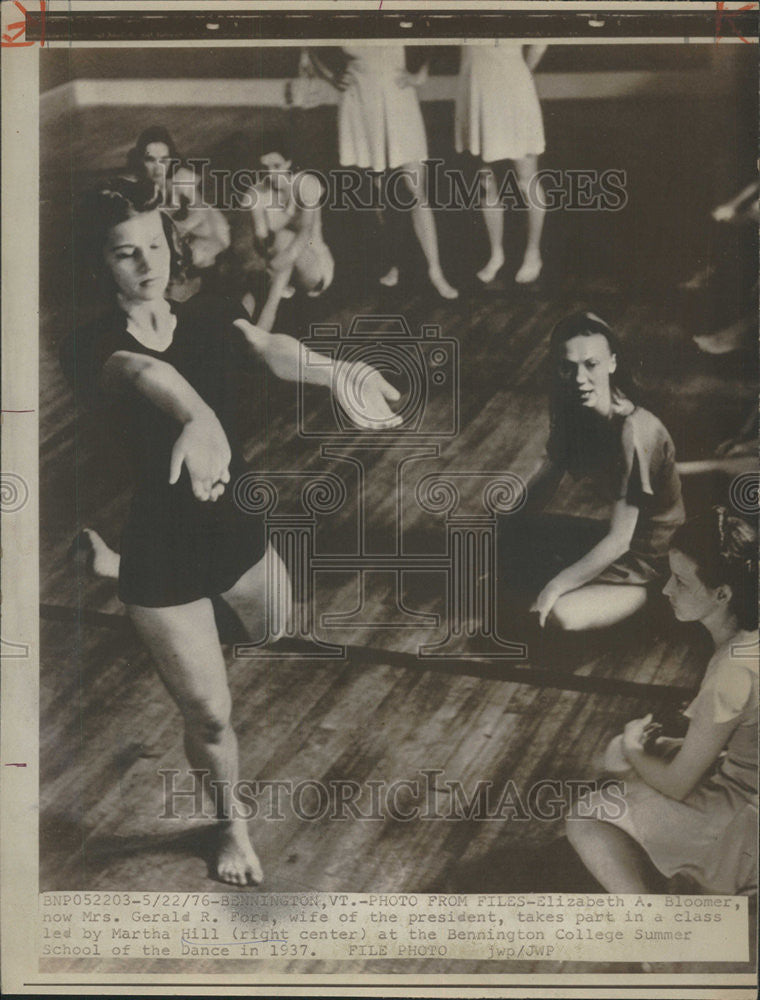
175, 548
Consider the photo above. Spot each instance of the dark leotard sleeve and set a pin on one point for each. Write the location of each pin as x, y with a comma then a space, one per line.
84, 353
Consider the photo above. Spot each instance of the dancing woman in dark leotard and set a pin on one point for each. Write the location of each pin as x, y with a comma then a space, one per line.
168, 368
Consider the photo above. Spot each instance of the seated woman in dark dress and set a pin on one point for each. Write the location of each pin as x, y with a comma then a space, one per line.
169, 371
600, 433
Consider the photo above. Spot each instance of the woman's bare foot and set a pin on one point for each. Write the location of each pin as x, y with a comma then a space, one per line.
236, 860
100, 560
440, 284
700, 279
495, 264
529, 270
730, 338
390, 278
288, 292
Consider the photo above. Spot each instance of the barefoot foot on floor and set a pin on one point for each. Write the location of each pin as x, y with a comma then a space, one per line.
529, 270
390, 278
439, 283
488, 273
236, 860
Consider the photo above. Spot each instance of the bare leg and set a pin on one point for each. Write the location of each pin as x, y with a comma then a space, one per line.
493, 216
613, 858
597, 605
423, 221
280, 286
263, 598
533, 193
185, 646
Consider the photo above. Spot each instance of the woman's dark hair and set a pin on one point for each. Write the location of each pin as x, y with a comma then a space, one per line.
569, 422
108, 206
724, 548
154, 133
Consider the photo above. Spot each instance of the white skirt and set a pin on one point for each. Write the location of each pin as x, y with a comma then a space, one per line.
379, 123
497, 115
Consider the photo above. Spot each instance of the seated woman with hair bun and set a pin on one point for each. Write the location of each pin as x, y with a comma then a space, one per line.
691, 804
597, 575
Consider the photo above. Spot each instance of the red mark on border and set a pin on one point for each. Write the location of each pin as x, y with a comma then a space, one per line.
18, 40
721, 14
14, 765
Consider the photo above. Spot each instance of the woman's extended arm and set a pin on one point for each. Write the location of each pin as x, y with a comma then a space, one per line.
615, 544
361, 390
202, 445
701, 747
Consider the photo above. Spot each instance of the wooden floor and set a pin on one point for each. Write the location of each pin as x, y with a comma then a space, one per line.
380, 713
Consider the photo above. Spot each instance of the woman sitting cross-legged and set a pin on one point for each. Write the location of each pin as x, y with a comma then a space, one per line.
691, 804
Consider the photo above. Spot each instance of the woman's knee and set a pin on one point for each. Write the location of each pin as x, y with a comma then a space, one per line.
208, 717
414, 178
565, 616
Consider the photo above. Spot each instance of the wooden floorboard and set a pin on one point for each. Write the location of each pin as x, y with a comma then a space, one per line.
380, 714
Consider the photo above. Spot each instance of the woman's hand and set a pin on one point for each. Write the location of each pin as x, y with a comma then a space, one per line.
364, 395
342, 81
545, 601
406, 79
633, 736
203, 449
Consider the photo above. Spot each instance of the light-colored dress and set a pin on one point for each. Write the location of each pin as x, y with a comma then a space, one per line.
379, 122
710, 836
497, 114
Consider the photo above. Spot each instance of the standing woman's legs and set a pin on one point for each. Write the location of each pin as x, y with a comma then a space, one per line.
493, 216
185, 646
533, 193
390, 237
423, 221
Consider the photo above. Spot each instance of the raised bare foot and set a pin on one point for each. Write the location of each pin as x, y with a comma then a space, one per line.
530, 269
99, 559
390, 278
444, 289
236, 860
730, 338
488, 273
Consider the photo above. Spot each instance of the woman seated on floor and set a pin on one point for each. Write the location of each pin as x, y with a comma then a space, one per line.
691, 803
287, 222
201, 227
597, 432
